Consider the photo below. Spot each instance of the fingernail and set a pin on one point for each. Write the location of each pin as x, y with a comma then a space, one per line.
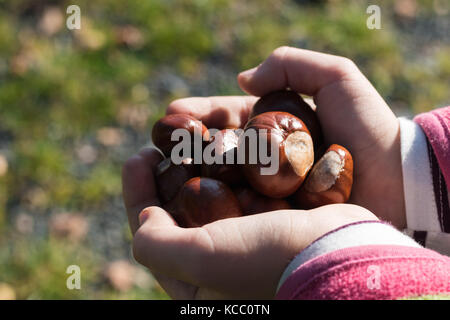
248, 73
143, 216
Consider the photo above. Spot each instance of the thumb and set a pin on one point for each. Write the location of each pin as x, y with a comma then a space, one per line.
156, 217
303, 71
167, 249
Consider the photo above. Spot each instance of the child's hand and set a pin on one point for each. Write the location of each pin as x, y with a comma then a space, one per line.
350, 110
233, 258
245, 257
236, 258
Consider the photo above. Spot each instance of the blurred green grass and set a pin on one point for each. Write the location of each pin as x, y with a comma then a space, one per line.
75, 104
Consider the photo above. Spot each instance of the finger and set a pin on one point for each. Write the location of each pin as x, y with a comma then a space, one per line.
138, 184
167, 249
302, 70
175, 288
216, 112
139, 192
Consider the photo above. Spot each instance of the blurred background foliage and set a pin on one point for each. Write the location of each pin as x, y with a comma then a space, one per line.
75, 104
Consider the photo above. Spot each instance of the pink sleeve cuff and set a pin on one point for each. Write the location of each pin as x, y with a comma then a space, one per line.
370, 272
425, 151
436, 125
361, 233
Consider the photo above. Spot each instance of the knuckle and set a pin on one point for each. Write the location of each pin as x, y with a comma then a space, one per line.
345, 66
176, 106
280, 52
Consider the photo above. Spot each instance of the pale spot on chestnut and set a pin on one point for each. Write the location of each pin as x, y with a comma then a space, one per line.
325, 173
299, 151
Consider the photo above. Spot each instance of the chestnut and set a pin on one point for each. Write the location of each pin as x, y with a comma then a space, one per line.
201, 201
223, 150
286, 134
252, 202
292, 102
170, 177
330, 180
164, 127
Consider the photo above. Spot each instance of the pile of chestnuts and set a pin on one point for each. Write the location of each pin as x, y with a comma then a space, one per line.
309, 175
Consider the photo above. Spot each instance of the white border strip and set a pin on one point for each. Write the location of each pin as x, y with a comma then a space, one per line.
421, 211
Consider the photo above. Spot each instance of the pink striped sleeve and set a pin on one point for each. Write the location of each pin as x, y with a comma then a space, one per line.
370, 272
436, 126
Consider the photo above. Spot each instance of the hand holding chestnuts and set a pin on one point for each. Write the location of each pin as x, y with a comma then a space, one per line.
284, 129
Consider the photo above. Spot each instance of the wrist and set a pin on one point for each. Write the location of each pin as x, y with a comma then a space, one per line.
386, 181
394, 187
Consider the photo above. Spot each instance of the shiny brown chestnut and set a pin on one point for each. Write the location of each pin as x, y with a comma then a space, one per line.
292, 102
252, 202
201, 201
223, 149
164, 127
170, 177
330, 180
295, 149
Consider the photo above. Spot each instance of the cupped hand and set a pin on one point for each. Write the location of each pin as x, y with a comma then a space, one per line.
236, 258
245, 257
350, 111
